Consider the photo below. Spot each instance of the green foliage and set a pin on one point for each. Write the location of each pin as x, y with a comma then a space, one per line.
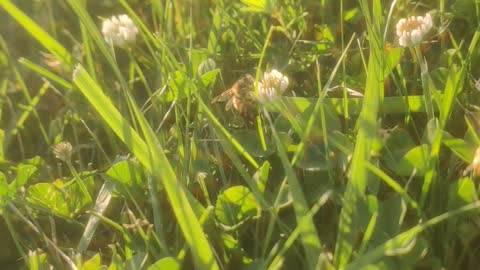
251, 142
458, 146
165, 263
235, 205
413, 162
2, 136
460, 193
261, 176
152, 158
368, 160
62, 199
367, 123
128, 176
3, 191
93, 263
38, 261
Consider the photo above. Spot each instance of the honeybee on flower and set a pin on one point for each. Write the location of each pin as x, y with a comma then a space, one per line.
240, 96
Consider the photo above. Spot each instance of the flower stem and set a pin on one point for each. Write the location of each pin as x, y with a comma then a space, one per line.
425, 82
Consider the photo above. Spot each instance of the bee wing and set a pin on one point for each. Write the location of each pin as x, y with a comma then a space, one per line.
229, 104
223, 96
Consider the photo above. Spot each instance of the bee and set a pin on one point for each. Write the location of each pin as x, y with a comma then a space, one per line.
240, 96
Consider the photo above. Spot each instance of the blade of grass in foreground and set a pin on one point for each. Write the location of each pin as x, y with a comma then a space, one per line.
38, 33
103, 200
454, 85
309, 235
155, 162
225, 132
276, 261
45, 73
367, 123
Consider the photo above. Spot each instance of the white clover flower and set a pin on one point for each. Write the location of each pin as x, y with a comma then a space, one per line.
63, 151
119, 30
411, 31
272, 86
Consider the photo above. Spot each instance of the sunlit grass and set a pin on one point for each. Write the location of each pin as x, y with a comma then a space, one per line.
368, 159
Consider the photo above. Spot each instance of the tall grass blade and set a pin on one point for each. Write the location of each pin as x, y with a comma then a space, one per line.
156, 163
453, 86
367, 130
47, 74
309, 235
38, 33
103, 200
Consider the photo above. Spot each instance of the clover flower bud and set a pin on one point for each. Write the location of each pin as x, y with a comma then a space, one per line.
63, 151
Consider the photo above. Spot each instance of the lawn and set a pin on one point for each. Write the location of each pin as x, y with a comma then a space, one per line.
245, 134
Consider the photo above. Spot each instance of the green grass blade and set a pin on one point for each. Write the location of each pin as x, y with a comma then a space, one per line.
298, 230
178, 196
390, 105
19, 125
154, 160
103, 200
309, 235
453, 86
225, 132
110, 115
45, 73
90, 26
393, 184
230, 144
38, 33
367, 124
